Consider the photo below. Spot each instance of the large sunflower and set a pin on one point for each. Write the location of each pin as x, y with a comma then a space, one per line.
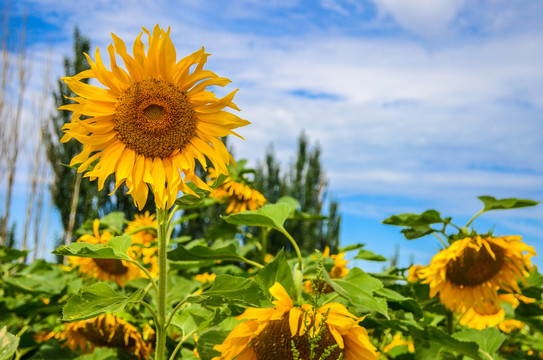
104, 269
269, 333
105, 330
150, 123
472, 270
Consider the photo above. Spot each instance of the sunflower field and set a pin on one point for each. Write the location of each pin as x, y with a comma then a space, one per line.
135, 288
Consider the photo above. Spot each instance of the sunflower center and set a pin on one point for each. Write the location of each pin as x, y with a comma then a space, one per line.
154, 118
275, 342
475, 267
104, 334
111, 266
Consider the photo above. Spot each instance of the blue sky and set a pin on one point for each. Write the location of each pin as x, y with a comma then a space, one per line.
417, 104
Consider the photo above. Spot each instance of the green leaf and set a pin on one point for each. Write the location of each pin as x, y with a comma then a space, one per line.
228, 289
448, 342
39, 277
196, 318
369, 255
8, 344
204, 253
292, 202
416, 232
207, 341
272, 216
115, 249
100, 353
8, 254
358, 287
95, 300
408, 304
491, 203
489, 339
426, 218
189, 201
278, 270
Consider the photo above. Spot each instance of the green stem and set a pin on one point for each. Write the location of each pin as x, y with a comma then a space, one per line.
174, 311
178, 347
450, 322
254, 263
147, 273
142, 228
474, 217
264, 243
298, 272
162, 283
331, 299
441, 240
151, 310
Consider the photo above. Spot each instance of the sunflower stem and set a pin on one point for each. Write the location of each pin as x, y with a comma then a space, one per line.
441, 240
151, 310
450, 322
141, 228
176, 350
300, 270
163, 232
147, 273
474, 217
174, 311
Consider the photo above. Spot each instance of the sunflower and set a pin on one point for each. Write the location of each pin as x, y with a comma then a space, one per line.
270, 333
397, 340
142, 247
205, 277
338, 271
473, 269
487, 314
414, 273
105, 330
104, 269
239, 195
151, 122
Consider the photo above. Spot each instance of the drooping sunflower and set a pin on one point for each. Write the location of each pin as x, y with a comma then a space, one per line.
104, 269
151, 122
414, 273
105, 330
487, 314
240, 196
269, 333
471, 270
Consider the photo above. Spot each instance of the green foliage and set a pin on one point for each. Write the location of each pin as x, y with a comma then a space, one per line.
115, 249
95, 300
8, 344
492, 203
272, 216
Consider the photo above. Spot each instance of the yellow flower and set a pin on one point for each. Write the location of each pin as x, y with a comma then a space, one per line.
472, 270
104, 269
397, 340
240, 196
487, 314
415, 273
142, 247
268, 333
205, 277
338, 271
151, 122
104, 330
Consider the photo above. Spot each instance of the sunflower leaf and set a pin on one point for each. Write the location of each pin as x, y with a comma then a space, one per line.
358, 288
189, 201
426, 218
369, 256
8, 344
273, 216
491, 203
416, 232
8, 254
233, 290
204, 253
39, 277
197, 318
96, 251
97, 299
489, 339
278, 270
